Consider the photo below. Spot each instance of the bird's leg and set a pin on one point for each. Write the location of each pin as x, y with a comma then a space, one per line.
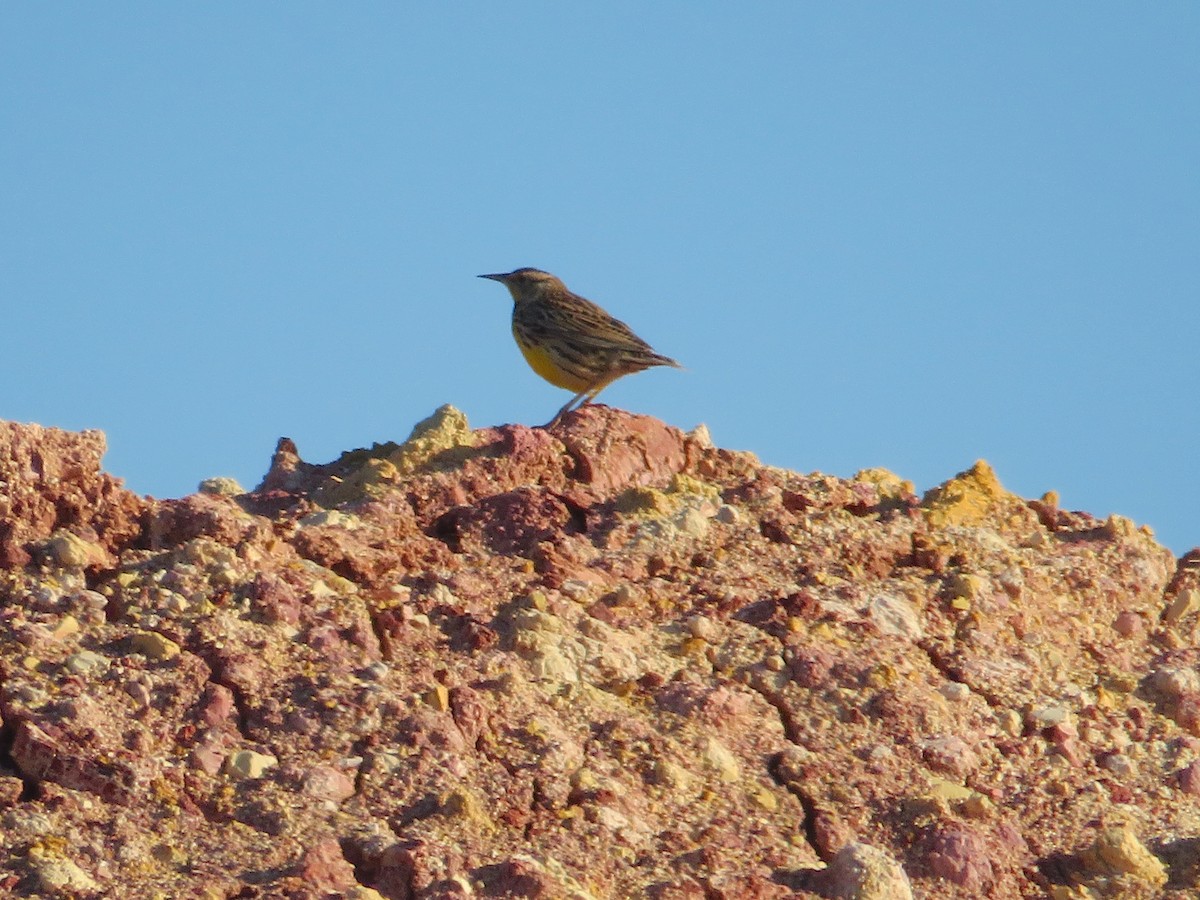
566, 409
590, 395
579, 401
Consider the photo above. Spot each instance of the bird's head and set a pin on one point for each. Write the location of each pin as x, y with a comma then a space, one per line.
526, 284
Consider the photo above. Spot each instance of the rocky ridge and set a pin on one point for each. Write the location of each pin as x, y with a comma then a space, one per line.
600, 661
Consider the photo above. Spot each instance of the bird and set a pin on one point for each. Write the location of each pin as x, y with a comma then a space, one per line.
569, 340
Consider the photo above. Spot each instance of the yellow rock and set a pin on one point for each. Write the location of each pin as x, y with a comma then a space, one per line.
764, 799
1070, 892
671, 775
445, 430
682, 489
462, 804
645, 500
965, 587
687, 484
371, 479
978, 806
1185, 603
942, 789
890, 485
966, 499
438, 697
72, 552
1118, 527
153, 646
1117, 851
67, 626
441, 441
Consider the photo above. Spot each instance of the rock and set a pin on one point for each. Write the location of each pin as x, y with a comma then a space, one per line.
446, 430
1118, 851
895, 616
328, 783
153, 646
324, 868
87, 663
72, 552
53, 485
655, 667
963, 858
1189, 778
59, 876
249, 764
221, 487
1183, 604
717, 756
862, 872
966, 499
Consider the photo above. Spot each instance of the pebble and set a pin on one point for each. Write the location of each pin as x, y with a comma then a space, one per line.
576, 589
153, 646
63, 876
221, 487
249, 764
671, 775
65, 628
376, 671
327, 783
437, 697
1185, 603
1120, 765
1177, 681
717, 756
1045, 716
1009, 721
90, 605
1189, 778
1128, 623
704, 628
331, 518
862, 872
896, 616
692, 522
955, 691
727, 515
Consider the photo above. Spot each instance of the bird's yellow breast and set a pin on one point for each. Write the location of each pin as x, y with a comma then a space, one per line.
543, 363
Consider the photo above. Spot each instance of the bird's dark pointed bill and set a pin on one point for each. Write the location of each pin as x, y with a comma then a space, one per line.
496, 277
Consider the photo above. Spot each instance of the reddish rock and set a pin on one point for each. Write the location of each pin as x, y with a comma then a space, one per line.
476, 666
614, 451
963, 858
217, 705
513, 523
52, 480
328, 783
175, 522
1189, 778
323, 868
42, 757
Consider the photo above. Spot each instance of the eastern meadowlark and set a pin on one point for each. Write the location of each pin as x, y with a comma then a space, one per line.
570, 341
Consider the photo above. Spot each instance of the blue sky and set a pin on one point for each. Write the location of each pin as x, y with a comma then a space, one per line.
900, 235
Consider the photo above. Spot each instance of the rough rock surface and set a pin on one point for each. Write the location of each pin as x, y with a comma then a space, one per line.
604, 660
